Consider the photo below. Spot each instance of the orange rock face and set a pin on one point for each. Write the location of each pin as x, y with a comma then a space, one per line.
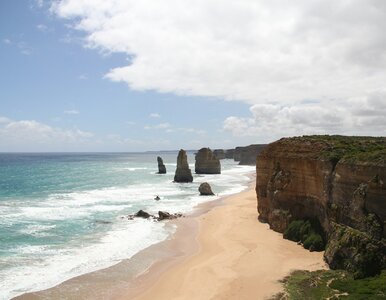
291, 180
298, 178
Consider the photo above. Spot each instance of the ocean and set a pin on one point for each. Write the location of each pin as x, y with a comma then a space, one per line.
65, 214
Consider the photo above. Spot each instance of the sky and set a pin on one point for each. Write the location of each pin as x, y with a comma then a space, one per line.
124, 75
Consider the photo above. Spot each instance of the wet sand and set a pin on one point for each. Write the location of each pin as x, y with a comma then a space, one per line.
238, 258
220, 252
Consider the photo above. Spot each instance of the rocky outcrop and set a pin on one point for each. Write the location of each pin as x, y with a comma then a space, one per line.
219, 153
237, 153
142, 214
205, 189
338, 181
247, 155
183, 173
229, 154
207, 162
162, 215
161, 166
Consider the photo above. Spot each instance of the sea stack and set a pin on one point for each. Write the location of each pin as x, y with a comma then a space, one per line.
183, 173
161, 166
207, 162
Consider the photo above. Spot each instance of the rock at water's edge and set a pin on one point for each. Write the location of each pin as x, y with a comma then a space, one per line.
205, 189
164, 215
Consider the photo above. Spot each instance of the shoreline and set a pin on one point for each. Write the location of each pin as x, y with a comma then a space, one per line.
134, 274
179, 267
238, 258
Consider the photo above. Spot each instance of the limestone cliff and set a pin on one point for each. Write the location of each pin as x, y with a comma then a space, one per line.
247, 155
229, 153
207, 162
219, 153
338, 181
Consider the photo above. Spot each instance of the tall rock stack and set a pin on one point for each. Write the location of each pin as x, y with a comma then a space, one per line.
161, 166
207, 162
183, 173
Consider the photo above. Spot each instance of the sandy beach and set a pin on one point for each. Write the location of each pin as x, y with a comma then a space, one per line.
237, 258
220, 252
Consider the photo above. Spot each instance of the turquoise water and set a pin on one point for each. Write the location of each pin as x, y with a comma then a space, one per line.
63, 215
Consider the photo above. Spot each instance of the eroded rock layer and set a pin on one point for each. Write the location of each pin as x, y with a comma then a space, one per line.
161, 166
207, 162
183, 173
339, 181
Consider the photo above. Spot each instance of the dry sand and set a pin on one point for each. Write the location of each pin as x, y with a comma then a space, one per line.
221, 252
237, 258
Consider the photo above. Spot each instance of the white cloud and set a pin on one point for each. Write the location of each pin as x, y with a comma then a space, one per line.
7, 41
42, 27
247, 50
154, 115
82, 77
24, 48
27, 135
71, 112
158, 126
4, 120
270, 122
272, 54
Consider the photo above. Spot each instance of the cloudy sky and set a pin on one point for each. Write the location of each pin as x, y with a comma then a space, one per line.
123, 75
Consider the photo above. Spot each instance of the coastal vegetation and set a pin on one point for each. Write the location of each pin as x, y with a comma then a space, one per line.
330, 284
350, 148
307, 232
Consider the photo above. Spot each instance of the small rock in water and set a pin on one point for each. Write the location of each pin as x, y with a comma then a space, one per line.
140, 214
103, 222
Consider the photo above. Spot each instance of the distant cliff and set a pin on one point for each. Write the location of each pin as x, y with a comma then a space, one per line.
245, 155
339, 182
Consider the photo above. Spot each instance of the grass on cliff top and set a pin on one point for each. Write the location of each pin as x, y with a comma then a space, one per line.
329, 284
350, 148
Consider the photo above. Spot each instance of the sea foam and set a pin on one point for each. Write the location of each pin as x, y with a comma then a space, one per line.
81, 225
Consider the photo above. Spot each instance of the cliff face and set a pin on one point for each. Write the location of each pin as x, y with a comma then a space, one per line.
339, 181
247, 155
219, 153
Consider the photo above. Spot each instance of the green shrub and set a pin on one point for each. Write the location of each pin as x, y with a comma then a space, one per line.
314, 242
307, 232
293, 231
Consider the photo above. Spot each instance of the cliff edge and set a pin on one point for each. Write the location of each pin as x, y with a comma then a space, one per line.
337, 182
